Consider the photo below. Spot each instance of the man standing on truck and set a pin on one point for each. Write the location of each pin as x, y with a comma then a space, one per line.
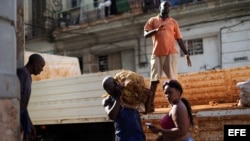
164, 31
33, 67
127, 121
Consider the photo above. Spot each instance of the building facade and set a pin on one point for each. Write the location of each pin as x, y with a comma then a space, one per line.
216, 34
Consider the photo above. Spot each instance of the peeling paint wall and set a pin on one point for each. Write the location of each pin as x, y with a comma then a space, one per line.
9, 84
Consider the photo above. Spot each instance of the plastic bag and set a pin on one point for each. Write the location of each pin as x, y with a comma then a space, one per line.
244, 93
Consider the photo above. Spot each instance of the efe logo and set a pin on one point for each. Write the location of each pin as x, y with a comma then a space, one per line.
236, 132
239, 132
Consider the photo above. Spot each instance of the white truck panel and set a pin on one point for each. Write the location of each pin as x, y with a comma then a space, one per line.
68, 100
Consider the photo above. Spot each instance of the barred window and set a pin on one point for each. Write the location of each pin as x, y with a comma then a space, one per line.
194, 47
103, 63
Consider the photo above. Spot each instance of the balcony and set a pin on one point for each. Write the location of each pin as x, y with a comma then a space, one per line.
86, 15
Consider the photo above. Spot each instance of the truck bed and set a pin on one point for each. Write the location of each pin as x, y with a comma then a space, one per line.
212, 94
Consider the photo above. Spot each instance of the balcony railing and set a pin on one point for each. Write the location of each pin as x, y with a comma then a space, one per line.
90, 14
87, 14
98, 11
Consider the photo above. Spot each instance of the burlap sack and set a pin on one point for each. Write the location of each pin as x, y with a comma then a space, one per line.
134, 91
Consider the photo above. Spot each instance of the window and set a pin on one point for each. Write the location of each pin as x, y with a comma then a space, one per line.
103, 63
96, 3
110, 62
80, 64
75, 3
38, 9
194, 47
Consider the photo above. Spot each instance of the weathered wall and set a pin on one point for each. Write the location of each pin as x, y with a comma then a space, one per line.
9, 119
235, 42
9, 84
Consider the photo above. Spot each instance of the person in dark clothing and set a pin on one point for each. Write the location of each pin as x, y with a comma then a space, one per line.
107, 8
127, 121
33, 67
113, 10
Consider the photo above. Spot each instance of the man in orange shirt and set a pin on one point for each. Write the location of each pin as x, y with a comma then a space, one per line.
164, 31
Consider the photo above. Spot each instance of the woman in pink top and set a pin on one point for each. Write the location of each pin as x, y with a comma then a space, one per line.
176, 123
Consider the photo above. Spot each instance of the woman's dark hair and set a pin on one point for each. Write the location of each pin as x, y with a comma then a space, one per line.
177, 85
173, 84
189, 109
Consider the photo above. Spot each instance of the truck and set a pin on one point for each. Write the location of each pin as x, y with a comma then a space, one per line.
70, 108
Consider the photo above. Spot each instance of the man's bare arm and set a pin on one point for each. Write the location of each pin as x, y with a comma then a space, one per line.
183, 48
